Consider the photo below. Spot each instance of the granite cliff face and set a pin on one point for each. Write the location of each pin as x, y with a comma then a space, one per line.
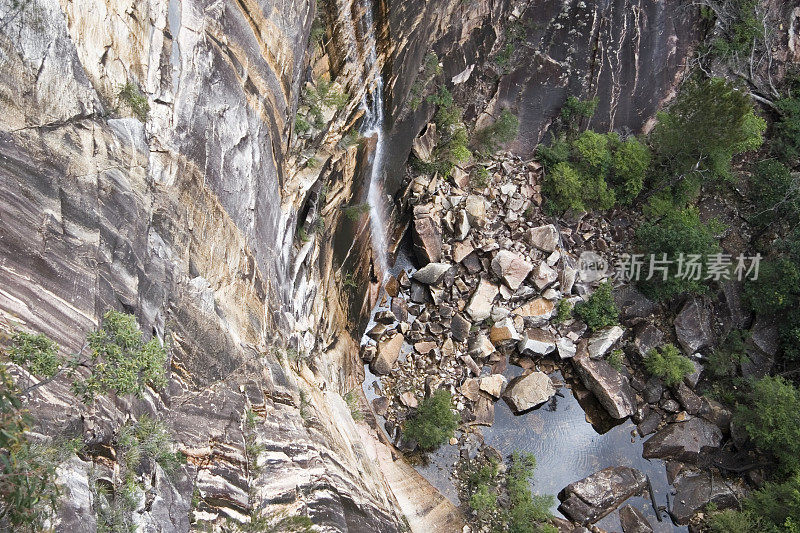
190, 217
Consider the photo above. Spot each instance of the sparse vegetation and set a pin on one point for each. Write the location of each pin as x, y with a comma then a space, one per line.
354, 212
616, 358
351, 399
504, 130
563, 311
36, 352
430, 69
433, 423
668, 364
131, 97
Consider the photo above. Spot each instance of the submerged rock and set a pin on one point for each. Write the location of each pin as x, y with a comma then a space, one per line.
528, 391
590, 499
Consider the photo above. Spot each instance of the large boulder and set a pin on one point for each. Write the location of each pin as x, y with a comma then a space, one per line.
480, 305
511, 267
528, 391
431, 273
695, 490
610, 387
475, 207
387, 355
632, 304
683, 441
590, 499
544, 276
493, 385
427, 236
693, 325
423, 145
540, 308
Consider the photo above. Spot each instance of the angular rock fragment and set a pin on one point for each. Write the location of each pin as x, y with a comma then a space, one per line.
611, 388
683, 441
493, 385
387, 355
480, 305
590, 499
528, 391
544, 238
431, 273
602, 341
511, 267
536, 342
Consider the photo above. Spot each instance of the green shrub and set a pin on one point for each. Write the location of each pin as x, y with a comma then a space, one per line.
786, 140
147, 438
574, 110
36, 352
563, 311
776, 288
28, 493
724, 361
451, 148
563, 189
121, 362
599, 310
527, 513
434, 423
684, 157
354, 212
732, 521
668, 364
616, 359
504, 130
351, 399
629, 166
483, 500
130, 96
678, 232
771, 417
480, 177
773, 193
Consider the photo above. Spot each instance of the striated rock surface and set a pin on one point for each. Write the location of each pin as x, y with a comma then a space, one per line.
590, 499
683, 441
611, 388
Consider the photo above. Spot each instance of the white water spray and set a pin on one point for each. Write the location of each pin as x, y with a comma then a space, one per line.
373, 127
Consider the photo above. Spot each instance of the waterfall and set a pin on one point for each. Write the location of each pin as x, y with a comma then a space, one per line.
373, 126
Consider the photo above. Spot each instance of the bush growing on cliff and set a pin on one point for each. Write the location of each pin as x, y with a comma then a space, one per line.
434, 423
504, 130
696, 139
451, 148
774, 193
36, 352
599, 310
668, 364
130, 96
120, 361
27, 478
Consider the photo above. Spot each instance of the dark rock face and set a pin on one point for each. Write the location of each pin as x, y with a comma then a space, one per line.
590, 499
696, 489
683, 441
693, 325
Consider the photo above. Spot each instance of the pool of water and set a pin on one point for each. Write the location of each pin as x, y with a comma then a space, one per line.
567, 446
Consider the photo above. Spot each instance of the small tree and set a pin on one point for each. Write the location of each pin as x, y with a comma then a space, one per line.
36, 352
771, 416
599, 310
434, 423
668, 364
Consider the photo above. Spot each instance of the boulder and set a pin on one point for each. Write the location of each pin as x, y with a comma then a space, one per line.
590, 499
693, 325
470, 389
632, 520
380, 405
511, 267
633, 304
475, 207
423, 145
480, 305
481, 346
566, 348
409, 399
540, 308
392, 286
503, 331
646, 338
543, 237
461, 229
602, 341
462, 250
683, 441
544, 276
691, 402
611, 388
493, 385
431, 273
387, 354
527, 391
459, 327
536, 342
695, 490
483, 412
399, 308
761, 349
427, 239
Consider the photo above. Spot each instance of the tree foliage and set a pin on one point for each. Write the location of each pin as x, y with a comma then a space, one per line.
668, 364
599, 310
434, 422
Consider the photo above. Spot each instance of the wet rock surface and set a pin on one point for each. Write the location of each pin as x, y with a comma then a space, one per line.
590, 499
